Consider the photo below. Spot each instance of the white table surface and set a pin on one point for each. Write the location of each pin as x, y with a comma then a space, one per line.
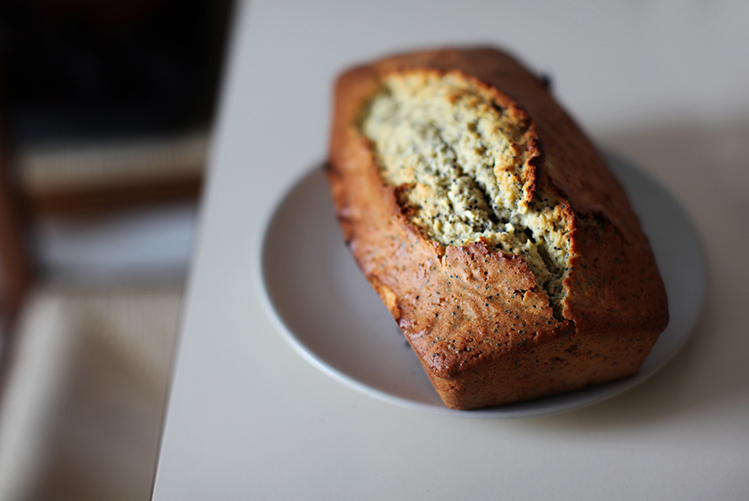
664, 83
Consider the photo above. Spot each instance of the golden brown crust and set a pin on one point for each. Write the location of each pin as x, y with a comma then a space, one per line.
482, 328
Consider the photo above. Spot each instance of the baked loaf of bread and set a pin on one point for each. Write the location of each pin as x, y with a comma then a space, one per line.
491, 228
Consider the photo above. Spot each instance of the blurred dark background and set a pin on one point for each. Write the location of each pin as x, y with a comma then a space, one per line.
105, 108
91, 68
105, 118
86, 85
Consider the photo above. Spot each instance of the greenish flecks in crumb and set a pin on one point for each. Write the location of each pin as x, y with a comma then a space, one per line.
458, 158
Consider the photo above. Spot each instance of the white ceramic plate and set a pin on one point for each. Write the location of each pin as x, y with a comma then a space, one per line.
328, 312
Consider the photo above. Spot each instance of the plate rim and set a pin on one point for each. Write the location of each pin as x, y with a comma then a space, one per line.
554, 404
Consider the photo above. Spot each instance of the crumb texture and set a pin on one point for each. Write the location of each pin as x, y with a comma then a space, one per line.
458, 161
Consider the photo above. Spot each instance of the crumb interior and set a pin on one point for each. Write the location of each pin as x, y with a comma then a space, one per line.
458, 159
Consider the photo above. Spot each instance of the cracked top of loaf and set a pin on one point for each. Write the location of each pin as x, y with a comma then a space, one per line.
457, 159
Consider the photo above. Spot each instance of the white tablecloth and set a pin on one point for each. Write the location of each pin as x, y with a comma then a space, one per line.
664, 83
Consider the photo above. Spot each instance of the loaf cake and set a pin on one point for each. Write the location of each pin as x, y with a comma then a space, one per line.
491, 228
